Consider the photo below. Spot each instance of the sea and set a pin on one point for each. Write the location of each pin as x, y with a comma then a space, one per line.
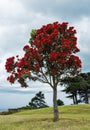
4, 109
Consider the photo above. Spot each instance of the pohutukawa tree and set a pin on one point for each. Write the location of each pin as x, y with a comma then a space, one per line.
48, 57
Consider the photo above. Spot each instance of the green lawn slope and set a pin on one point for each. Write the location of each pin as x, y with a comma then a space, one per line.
73, 117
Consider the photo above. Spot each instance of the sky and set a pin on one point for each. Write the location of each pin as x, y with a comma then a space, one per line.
18, 18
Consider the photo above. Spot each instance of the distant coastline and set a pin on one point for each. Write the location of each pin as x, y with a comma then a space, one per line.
3, 109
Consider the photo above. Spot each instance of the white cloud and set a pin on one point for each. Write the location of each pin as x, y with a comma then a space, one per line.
67, 10
83, 32
10, 8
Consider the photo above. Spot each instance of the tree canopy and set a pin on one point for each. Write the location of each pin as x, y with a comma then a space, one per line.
78, 87
38, 101
50, 54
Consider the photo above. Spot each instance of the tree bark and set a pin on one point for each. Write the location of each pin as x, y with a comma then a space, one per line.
73, 100
55, 106
76, 101
86, 97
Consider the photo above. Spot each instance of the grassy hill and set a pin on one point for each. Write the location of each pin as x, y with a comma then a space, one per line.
73, 117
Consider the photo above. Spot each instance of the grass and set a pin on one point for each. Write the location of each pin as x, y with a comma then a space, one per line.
73, 117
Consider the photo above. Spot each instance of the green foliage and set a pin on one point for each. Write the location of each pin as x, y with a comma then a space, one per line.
60, 102
78, 88
38, 101
33, 35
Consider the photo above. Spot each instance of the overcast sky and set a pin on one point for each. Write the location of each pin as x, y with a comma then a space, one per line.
19, 17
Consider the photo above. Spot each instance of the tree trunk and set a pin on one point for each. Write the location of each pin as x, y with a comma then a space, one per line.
76, 101
55, 106
86, 97
73, 99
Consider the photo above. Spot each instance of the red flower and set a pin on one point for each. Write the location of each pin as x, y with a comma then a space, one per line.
11, 79
10, 64
23, 72
54, 55
74, 60
26, 48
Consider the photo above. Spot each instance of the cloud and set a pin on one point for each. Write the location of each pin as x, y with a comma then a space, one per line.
15, 91
83, 34
10, 8
57, 8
